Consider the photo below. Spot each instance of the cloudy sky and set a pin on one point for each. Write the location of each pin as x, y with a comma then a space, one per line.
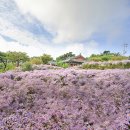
59, 26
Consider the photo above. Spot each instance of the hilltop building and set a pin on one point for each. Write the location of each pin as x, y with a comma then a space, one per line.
74, 61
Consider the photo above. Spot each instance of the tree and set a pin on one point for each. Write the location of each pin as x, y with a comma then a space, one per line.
106, 52
46, 58
17, 57
65, 56
3, 59
36, 60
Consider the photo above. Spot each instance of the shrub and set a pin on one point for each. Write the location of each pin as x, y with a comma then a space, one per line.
27, 66
91, 66
36, 61
127, 65
107, 65
63, 65
105, 58
1, 68
96, 59
117, 58
10, 66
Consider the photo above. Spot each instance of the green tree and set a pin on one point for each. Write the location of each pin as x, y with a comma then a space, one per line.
106, 52
36, 60
17, 57
61, 64
27, 66
65, 56
3, 60
46, 58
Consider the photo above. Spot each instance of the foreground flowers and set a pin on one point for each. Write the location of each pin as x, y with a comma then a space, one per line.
64, 99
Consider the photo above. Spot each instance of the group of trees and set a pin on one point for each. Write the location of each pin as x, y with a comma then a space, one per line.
12, 57
18, 58
44, 59
107, 56
65, 56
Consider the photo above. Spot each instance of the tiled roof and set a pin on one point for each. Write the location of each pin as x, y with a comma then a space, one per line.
72, 59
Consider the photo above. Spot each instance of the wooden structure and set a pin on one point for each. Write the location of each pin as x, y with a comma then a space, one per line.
74, 61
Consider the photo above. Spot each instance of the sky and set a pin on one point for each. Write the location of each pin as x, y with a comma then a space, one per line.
56, 27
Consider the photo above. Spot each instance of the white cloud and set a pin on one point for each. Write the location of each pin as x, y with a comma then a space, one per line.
22, 36
15, 46
31, 50
25, 40
92, 47
76, 48
75, 20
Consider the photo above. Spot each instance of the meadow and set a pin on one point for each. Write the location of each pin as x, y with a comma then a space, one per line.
52, 98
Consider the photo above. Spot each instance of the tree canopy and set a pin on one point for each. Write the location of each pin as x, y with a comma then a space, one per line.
3, 59
65, 56
17, 57
46, 58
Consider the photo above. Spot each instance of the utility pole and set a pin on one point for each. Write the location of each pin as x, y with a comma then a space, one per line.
125, 45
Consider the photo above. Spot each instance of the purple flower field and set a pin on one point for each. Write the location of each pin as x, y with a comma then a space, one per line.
65, 99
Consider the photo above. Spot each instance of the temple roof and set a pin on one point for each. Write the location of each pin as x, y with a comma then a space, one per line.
75, 59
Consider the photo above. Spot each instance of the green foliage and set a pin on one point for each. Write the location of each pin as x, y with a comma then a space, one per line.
2, 55
27, 66
127, 65
90, 66
110, 53
2, 71
61, 64
116, 58
17, 57
3, 60
106, 52
96, 59
65, 56
107, 66
2, 68
46, 58
107, 56
9, 66
36, 60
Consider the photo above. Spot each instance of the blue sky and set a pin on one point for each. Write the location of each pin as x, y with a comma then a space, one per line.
59, 26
